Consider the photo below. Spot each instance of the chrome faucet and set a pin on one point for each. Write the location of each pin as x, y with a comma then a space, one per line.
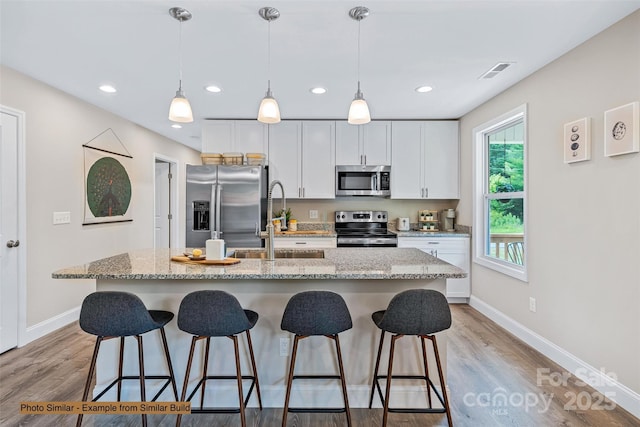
267, 235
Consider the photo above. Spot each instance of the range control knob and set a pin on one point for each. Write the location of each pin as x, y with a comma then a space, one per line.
379, 216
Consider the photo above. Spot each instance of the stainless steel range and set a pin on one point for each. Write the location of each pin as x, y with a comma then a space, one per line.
363, 229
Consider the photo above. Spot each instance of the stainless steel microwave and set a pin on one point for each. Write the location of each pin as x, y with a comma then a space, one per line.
363, 180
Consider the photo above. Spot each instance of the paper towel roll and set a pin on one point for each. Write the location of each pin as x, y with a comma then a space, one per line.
215, 249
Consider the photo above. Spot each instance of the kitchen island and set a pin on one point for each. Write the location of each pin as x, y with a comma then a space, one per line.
367, 278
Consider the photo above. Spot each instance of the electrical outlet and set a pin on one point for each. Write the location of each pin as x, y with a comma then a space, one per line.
313, 214
284, 346
61, 218
532, 304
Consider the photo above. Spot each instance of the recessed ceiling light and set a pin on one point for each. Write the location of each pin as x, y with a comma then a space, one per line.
318, 90
424, 89
108, 89
213, 89
176, 126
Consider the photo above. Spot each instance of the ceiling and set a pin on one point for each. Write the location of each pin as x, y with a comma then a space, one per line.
78, 45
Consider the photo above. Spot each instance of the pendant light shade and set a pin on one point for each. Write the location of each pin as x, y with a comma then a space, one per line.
180, 109
269, 112
359, 110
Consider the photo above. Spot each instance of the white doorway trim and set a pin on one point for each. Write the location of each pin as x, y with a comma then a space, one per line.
175, 196
22, 224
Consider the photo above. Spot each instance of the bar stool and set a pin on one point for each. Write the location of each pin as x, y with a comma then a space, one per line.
419, 312
207, 314
118, 315
316, 313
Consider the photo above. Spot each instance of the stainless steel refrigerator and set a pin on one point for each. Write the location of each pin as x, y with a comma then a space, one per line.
226, 201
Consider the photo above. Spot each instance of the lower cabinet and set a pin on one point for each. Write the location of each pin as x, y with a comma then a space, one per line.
304, 243
454, 250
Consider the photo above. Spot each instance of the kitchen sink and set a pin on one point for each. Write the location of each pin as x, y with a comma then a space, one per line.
279, 253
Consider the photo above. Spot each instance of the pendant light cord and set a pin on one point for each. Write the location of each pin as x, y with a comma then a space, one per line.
359, 20
269, 56
180, 55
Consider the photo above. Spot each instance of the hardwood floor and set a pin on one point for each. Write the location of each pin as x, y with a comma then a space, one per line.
494, 380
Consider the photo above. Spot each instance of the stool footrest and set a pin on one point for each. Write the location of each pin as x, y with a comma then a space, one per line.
316, 377
317, 410
222, 377
411, 410
137, 378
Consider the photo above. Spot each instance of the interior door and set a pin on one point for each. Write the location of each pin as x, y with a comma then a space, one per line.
162, 205
8, 231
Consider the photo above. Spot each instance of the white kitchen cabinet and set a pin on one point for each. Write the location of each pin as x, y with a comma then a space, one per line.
304, 243
302, 157
368, 144
425, 160
454, 250
243, 136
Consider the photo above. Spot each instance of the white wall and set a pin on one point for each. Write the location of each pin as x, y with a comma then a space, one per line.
584, 218
57, 125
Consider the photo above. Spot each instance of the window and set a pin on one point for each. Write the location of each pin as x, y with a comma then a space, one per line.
500, 194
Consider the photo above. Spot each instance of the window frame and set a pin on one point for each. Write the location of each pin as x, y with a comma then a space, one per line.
482, 197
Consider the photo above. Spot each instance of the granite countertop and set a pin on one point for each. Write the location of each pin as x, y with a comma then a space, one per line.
339, 263
305, 234
420, 233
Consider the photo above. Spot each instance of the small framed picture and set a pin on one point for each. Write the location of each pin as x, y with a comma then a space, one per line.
621, 130
577, 140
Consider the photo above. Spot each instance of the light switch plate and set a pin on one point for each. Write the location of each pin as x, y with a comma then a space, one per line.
61, 218
313, 214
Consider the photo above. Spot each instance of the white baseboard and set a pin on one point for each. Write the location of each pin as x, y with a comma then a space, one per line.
596, 378
47, 326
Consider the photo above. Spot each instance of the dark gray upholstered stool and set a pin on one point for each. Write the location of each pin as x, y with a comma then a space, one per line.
419, 312
316, 313
118, 315
207, 314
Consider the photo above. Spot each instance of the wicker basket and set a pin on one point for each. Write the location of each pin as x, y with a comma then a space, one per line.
211, 158
232, 158
255, 159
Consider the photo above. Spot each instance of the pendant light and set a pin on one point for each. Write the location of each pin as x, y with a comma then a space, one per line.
269, 112
180, 109
359, 110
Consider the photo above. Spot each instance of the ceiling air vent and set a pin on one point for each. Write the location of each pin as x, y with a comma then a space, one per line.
500, 66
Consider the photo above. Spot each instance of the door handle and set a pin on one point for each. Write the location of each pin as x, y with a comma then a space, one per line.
12, 244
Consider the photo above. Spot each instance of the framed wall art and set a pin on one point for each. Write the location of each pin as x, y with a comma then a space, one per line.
577, 140
621, 134
106, 177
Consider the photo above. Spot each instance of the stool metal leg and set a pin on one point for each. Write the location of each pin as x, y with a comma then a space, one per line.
239, 376
426, 369
143, 396
343, 381
290, 380
442, 383
120, 368
375, 370
168, 357
183, 396
389, 376
92, 368
255, 371
204, 372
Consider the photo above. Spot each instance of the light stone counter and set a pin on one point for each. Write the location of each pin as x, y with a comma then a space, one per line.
367, 278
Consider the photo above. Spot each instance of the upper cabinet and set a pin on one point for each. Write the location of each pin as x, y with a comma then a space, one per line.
425, 160
368, 144
243, 136
302, 157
